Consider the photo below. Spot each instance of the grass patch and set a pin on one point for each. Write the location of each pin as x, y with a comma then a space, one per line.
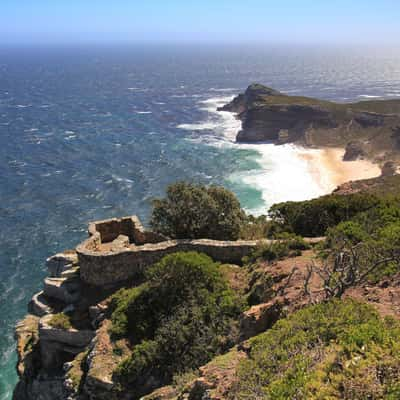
60, 321
332, 350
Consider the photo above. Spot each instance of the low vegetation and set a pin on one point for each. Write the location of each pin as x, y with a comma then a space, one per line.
179, 319
338, 349
60, 321
285, 245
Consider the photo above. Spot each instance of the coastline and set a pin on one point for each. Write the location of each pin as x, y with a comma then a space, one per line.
329, 170
286, 172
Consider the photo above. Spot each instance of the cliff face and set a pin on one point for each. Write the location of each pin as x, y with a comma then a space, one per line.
268, 115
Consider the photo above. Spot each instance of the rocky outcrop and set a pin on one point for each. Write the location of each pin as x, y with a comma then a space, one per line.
254, 94
265, 122
34, 382
61, 262
386, 184
390, 168
44, 350
39, 305
269, 115
354, 150
259, 318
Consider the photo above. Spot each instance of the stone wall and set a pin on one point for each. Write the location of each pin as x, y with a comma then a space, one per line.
109, 229
99, 266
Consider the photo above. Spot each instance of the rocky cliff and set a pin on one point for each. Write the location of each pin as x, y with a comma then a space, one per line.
367, 128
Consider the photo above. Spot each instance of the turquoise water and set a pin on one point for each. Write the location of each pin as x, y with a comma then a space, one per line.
92, 133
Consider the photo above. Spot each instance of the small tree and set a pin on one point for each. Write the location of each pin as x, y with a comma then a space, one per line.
197, 211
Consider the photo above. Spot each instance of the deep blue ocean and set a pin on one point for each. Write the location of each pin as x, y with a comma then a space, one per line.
93, 132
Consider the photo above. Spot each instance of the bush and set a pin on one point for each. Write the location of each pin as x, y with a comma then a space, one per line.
314, 217
60, 321
178, 320
196, 211
326, 351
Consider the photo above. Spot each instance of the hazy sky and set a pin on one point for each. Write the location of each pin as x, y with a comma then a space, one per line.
276, 21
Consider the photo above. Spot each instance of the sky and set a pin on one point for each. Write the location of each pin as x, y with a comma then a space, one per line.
230, 21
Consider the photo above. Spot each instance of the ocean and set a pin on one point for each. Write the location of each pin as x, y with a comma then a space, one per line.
92, 132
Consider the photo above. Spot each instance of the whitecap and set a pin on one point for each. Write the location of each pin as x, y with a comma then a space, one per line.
223, 89
369, 96
137, 89
198, 127
143, 112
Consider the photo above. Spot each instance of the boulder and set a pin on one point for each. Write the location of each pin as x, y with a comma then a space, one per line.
259, 318
354, 151
390, 168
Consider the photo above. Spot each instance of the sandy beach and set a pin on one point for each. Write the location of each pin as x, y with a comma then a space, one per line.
329, 169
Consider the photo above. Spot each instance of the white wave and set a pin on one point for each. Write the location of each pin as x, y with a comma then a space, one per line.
143, 112
70, 137
283, 175
121, 179
291, 91
222, 89
198, 127
138, 89
369, 96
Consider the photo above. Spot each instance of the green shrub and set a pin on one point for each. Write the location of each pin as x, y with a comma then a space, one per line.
327, 351
196, 211
60, 321
183, 316
119, 304
314, 217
